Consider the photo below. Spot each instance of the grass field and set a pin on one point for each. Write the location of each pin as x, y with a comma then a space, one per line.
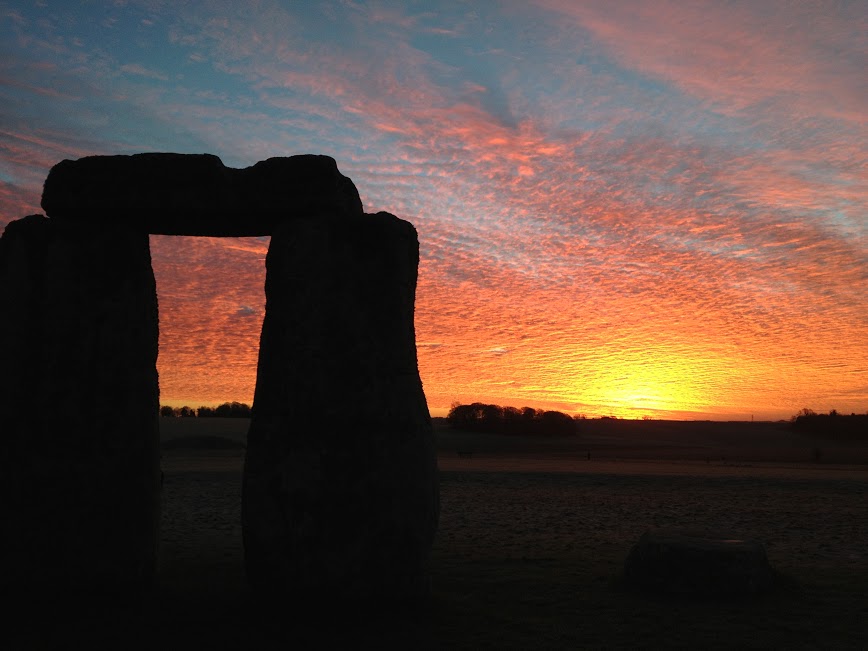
532, 540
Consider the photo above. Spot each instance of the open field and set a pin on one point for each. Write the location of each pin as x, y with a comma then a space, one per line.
709, 441
532, 539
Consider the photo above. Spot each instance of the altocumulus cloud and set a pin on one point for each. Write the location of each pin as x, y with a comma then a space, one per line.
639, 220
246, 311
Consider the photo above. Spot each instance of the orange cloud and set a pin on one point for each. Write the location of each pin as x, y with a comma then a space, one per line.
623, 208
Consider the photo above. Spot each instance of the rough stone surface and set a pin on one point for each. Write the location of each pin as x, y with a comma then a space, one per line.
79, 457
195, 194
688, 563
340, 497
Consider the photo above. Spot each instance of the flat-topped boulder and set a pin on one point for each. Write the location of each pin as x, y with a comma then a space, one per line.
195, 194
690, 563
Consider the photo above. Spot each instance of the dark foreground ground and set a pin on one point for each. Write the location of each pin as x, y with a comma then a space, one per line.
532, 540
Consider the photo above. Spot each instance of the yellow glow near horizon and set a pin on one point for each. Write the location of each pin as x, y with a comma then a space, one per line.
632, 388
669, 233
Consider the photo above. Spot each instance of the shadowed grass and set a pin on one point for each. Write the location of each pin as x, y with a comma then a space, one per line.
563, 603
556, 603
523, 559
202, 442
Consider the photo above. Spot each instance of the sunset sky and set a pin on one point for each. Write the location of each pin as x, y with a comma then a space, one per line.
624, 208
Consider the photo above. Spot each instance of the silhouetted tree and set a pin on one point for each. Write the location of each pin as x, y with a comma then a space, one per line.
225, 410
481, 417
556, 423
831, 425
461, 417
511, 420
492, 418
232, 410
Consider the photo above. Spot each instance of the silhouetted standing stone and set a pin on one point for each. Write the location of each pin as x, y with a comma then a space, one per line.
340, 487
687, 563
78, 394
340, 493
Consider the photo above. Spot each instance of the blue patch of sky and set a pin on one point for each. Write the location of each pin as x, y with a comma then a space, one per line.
464, 65
714, 243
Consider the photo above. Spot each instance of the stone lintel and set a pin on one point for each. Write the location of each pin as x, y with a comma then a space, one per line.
196, 194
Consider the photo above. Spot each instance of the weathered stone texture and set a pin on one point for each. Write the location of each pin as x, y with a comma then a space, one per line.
340, 495
195, 194
79, 457
698, 564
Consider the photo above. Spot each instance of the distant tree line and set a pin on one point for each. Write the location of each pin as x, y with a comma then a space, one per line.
832, 425
479, 417
225, 410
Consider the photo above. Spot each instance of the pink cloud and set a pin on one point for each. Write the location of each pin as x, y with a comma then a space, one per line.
738, 55
143, 71
211, 295
591, 227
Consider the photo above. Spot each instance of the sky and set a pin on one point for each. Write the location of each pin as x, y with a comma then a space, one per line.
636, 209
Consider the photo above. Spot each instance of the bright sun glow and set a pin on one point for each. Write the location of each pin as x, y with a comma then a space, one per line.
666, 232
654, 388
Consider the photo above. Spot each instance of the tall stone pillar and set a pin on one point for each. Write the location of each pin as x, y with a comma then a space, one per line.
79, 446
340, 498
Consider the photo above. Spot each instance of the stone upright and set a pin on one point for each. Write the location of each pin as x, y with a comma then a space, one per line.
340, 499
78, 393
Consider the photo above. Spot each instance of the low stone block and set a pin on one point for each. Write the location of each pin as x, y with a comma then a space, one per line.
690, 563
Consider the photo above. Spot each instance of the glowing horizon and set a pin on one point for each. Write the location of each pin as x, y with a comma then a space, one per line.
640, 209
